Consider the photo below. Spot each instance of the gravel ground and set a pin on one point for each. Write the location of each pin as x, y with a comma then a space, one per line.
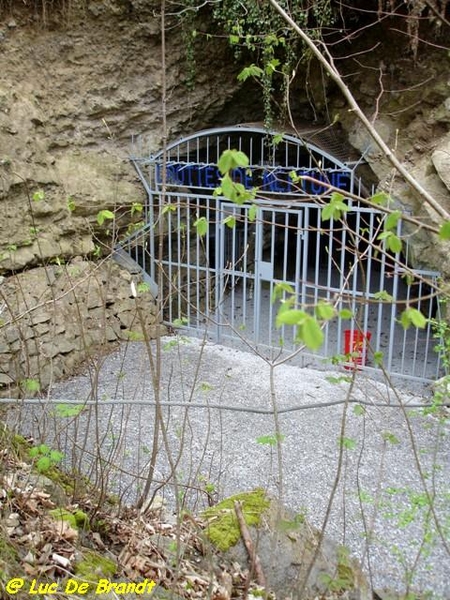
378, 507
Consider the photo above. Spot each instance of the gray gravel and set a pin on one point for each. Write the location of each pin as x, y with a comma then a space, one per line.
379, 508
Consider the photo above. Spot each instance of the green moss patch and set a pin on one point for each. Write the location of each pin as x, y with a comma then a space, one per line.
223, 527
77, 519
94, 567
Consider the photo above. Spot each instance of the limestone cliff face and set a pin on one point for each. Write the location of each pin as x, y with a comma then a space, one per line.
73, 92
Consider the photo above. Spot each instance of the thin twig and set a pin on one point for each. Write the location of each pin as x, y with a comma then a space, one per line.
254, 558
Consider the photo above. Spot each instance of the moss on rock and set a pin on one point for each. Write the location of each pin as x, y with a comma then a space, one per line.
76, 519
223, 527
94, 566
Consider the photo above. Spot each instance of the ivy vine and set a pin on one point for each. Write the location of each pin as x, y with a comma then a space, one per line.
257, 32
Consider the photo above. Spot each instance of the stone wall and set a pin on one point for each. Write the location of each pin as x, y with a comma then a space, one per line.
55, 318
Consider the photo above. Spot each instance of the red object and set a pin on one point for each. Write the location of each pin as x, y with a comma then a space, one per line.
355, 344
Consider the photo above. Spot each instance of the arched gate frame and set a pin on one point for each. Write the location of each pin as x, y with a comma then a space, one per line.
215, 264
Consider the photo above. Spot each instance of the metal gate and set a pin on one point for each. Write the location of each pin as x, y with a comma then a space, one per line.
220, 278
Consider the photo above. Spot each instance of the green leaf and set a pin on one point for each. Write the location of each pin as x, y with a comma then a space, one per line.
71, 206
380, 198
103, 215
270, 440
143, 287
393, 242
33, 452
417, 318
252, 213
279, 290
338, 379
137, 207
169, 207
378, 358
227, 186
365, 497
201, 225
335, 207
240, 159
412, 316
346, 313
311, 333
347, 443
250, 71
226, 162
68, 410
444, 231
38, 196
271, 66
392, 219
325, 311
277, 139
290, 317
233, 39
359, 410
390, 437
383, 295
180, 322
232, 159
230, 221
134, 336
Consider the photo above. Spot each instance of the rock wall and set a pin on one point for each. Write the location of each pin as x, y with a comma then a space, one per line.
54, 318
73, 92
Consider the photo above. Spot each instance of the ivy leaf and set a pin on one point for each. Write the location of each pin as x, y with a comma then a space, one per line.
346, 313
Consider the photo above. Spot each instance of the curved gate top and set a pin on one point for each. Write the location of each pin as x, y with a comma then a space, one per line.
192, 161
221, 279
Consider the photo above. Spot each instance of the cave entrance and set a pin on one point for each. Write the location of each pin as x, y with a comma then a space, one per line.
217, 266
